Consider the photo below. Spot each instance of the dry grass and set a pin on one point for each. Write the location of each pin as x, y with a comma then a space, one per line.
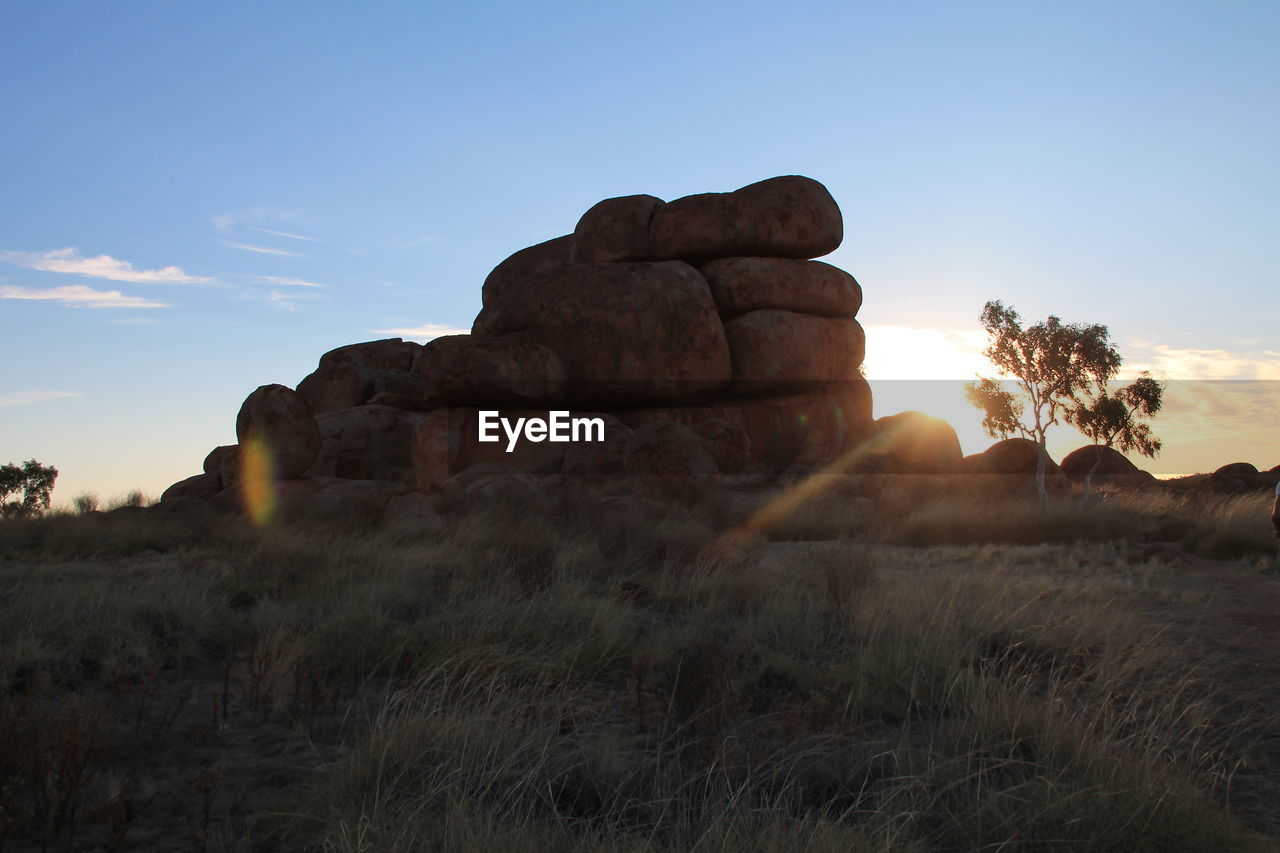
608, 677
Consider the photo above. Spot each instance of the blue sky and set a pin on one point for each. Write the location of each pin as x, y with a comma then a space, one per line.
1105, 162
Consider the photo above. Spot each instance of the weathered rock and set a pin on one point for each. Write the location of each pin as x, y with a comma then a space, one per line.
337, 384
407, 384
335, 498
598, 460
1010, 465
629, 334
367, 443
281, 419
493, 482
779, 352
813, 429
462, 370
668, 459
200, 486
351, 375
1238, 470
915, 443
740, 285
413, 514
1103, 465
447, 441
224, 461
385, 354
510, 280
786, 217
616, 229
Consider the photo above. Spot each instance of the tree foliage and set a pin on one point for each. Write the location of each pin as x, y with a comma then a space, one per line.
1116, 419
1061, 373
33, 480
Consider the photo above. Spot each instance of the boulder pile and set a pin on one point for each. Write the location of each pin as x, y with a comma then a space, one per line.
700, 332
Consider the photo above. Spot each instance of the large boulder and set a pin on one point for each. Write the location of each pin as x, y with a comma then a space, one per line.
224, 462
463, 370
384, 354
510, 280
351, 375
370, 442
1011, 465
740, 285
786, 217
337, 384
616, 229
338, 499
779, 352
448, 440
279, 418
629, 334
914, 443
811, 429
668, 459
1101, 465
200, 486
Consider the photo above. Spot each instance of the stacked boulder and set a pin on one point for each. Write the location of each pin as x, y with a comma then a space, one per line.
699, 331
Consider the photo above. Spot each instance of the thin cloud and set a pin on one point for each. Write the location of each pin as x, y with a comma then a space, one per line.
287, 301
423, 333
261, 250
81, 296
26, 398
70, 261
285, 234
1185, 363
424, 240
287, 281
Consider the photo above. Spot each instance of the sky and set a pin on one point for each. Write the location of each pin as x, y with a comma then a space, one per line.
203, 198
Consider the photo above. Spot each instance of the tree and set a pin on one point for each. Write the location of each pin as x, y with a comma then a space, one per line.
1060, 373
1115, 419
34, 481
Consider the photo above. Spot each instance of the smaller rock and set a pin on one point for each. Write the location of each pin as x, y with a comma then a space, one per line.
913, 443
740, 285
281, 419
225, 462
616, 229
465, 370
336, 384
786, 217
200, 486
668, 459
511, 279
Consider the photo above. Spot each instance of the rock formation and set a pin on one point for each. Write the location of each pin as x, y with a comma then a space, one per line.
700, 331
1103, 466
1010, 466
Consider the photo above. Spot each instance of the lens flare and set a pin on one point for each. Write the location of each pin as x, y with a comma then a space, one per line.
257, 480
775, 511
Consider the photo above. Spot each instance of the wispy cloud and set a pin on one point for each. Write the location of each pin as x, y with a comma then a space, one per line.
70, 261
288, 301
81, 296
424, 240
423, 333
254, 218
1185, 363
25, 398
287, 281
284, 234
261, 250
